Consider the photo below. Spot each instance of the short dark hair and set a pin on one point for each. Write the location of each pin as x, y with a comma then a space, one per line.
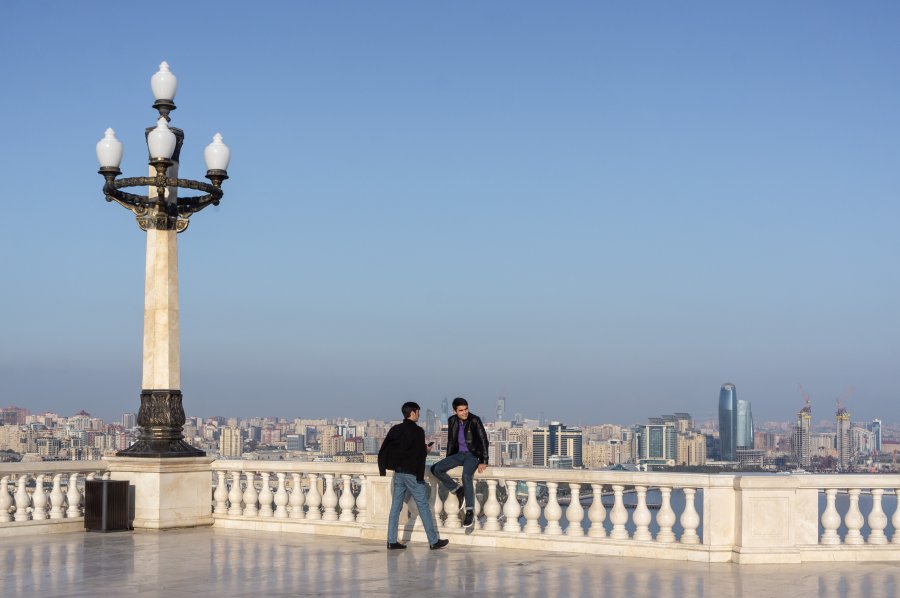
408, 408
460, 402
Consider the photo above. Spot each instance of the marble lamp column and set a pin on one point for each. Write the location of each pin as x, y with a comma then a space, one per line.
161, 415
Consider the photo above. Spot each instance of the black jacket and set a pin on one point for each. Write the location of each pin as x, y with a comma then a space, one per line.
403, 450
475, 436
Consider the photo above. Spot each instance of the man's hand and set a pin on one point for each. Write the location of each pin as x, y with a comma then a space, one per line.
482, 467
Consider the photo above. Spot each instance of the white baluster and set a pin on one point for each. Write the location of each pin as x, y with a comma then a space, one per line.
618, 516
532, 510
641, 517
854, 519
250, 496
91, 476
597, 512
362, 502
23, 500
265, 496
690, 520
665, 517
492, 508
877, 519
346, 501
895, 520
451, 507
296, 500
831, 519
575, 512
281, 498
511, 509
552, 512
235, 495
437, 502
107, 475
73, 497
6, 500
57, 499
313, 498
39, 499
329, 499
221, 494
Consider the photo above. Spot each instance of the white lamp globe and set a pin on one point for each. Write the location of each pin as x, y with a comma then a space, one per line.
217, 154
109, 150
164, 83
161, 140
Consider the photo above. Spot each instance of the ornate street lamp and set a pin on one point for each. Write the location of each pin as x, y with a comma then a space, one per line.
162, 214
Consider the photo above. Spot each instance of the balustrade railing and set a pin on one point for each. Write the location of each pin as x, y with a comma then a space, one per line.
519, 506
44, 491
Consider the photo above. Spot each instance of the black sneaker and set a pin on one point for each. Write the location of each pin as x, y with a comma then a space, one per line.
396, 546
460, 495
469, 521
438, 545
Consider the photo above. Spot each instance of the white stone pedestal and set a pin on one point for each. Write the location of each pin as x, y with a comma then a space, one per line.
167, 493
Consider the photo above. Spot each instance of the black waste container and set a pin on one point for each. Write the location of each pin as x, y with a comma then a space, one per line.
106, 505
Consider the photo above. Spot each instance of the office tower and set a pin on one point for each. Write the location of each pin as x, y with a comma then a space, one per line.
557, 440
230, 444
743, 426
501, 408
129, 420
655, 442
735, 423
295, 442
429, 422
842, 440
875, 426
800, 439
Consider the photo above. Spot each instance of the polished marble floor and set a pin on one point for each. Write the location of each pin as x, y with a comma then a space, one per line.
208, 562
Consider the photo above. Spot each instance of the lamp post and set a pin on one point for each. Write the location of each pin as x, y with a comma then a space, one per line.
162, 215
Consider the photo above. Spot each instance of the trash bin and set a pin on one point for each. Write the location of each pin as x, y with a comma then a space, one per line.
106, 505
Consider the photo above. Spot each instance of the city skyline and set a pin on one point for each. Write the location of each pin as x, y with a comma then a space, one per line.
598, 212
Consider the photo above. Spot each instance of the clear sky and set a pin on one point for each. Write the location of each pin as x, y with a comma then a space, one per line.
602, 210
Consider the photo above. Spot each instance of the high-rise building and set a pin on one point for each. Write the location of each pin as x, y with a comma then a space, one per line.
230, 444
655, 443
129, 420
875, 426
735, 423
445, 410
429, 422
843, 444
501, 408
558, 440
800, 438
295, 442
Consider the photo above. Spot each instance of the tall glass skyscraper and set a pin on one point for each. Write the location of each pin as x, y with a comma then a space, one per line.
735, 423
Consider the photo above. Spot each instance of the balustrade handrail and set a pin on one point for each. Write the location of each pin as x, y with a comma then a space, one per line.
525, 474
38, 467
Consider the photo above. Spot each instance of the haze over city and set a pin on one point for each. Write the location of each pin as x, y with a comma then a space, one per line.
601, 212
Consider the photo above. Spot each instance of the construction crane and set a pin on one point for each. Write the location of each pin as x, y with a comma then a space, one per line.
806, 402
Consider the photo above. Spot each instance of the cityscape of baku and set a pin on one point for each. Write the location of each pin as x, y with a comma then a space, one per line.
630, 271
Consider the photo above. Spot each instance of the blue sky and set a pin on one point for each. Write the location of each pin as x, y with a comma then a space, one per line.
602, 211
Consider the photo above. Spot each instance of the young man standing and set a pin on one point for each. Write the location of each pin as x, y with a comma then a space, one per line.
467, 446
404, 452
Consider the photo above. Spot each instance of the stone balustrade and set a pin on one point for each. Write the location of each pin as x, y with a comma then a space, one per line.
741, 518
708, 518
39, 494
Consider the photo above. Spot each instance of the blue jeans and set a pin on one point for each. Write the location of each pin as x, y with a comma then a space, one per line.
401, 484
469, 464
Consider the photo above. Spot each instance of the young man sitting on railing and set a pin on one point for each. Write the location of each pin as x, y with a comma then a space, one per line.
467, 445
404, 451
